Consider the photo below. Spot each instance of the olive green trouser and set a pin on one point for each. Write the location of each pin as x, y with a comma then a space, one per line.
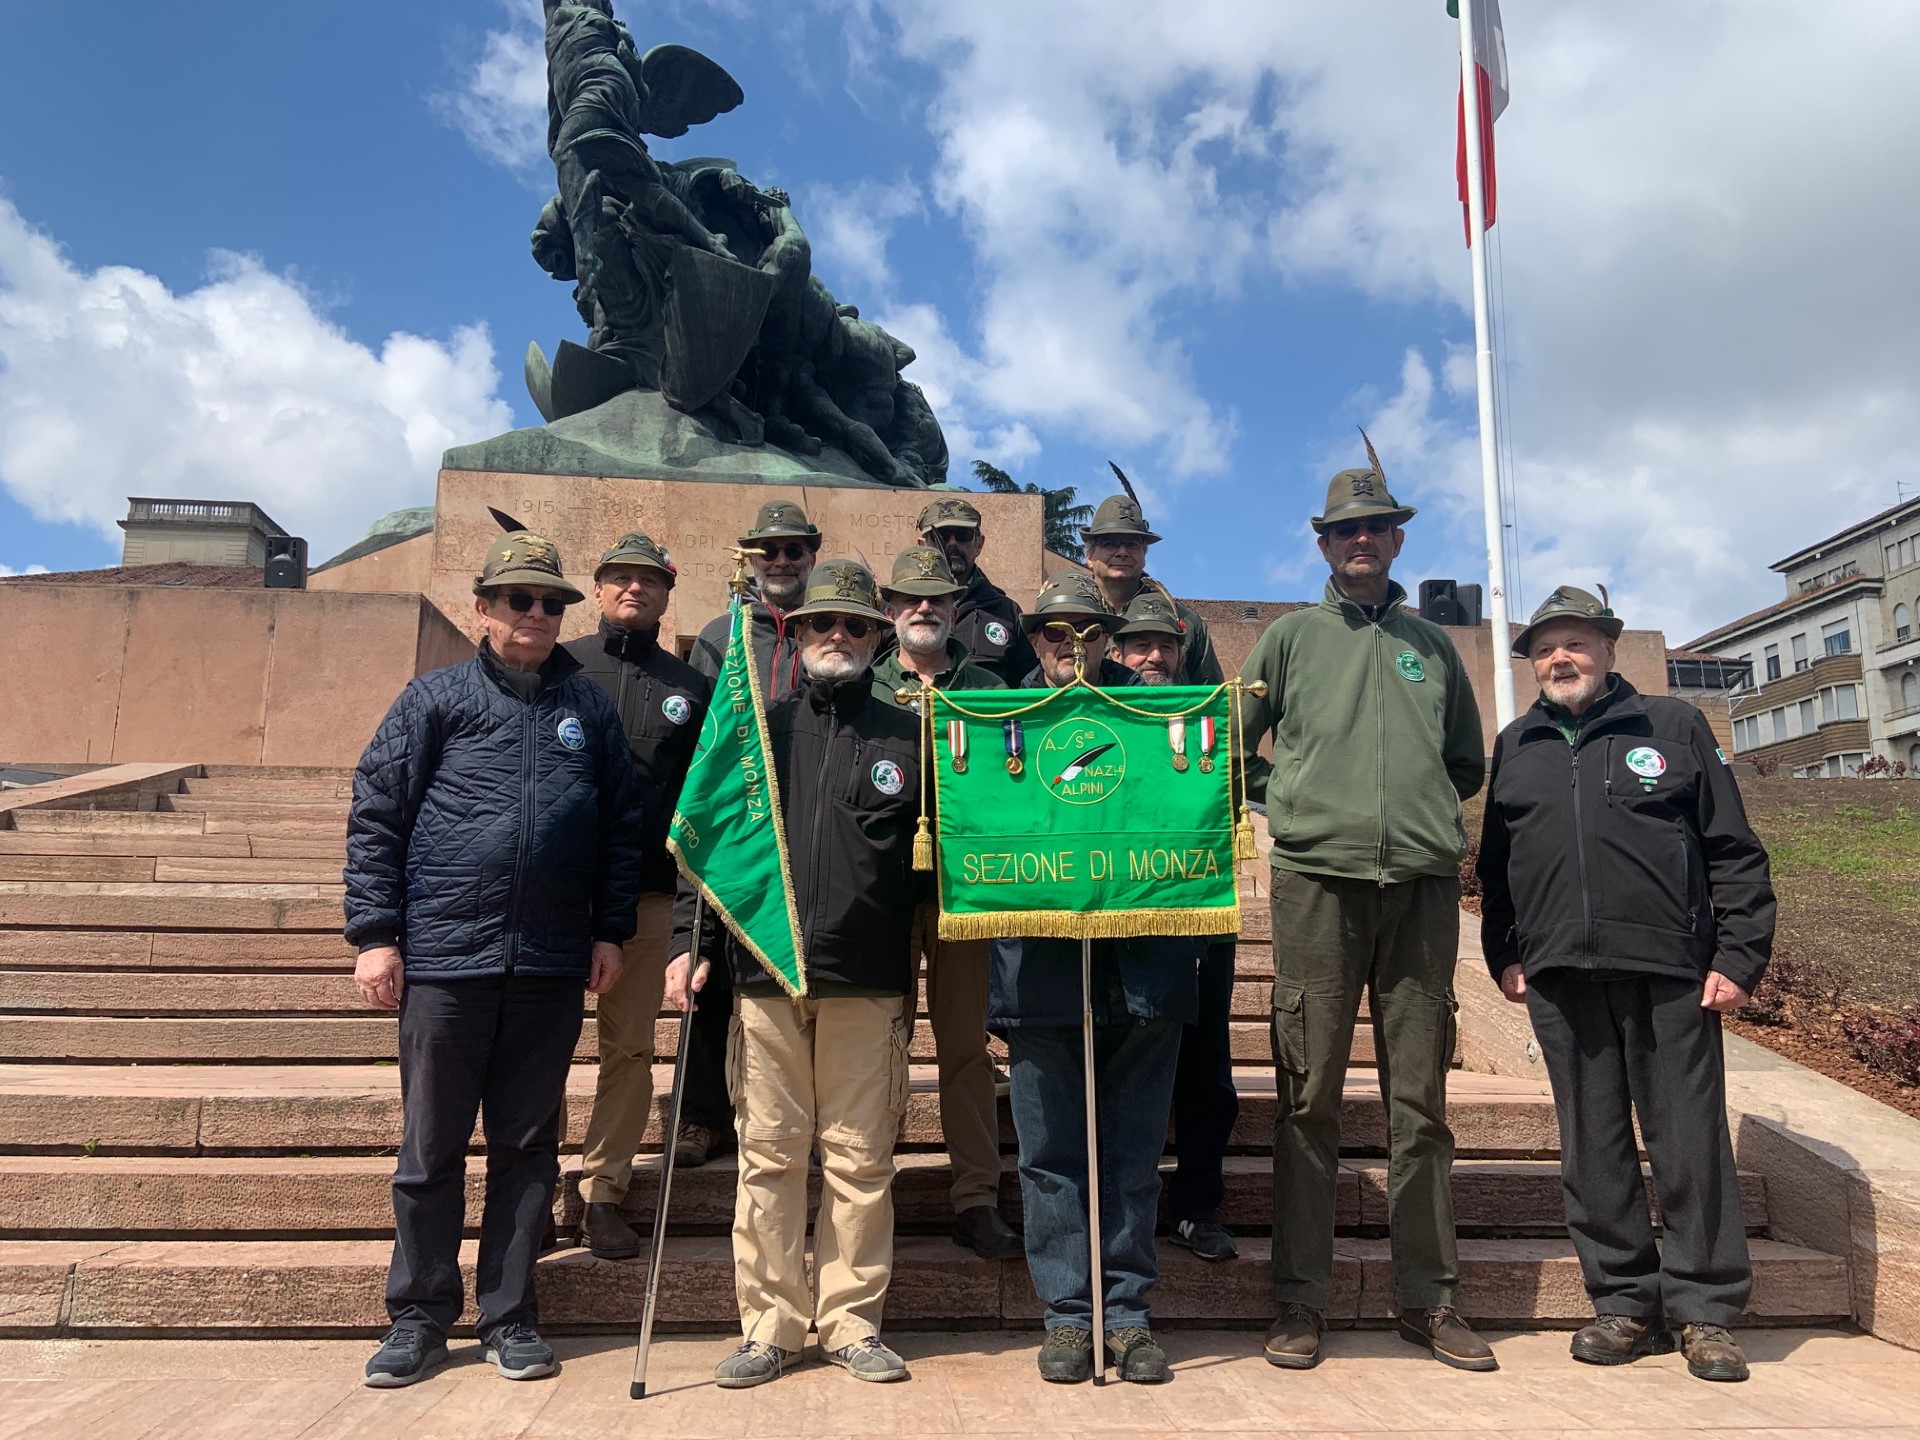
1334, 939
623, 1091
957, 973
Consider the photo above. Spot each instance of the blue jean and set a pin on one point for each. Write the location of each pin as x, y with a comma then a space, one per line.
1134, 1064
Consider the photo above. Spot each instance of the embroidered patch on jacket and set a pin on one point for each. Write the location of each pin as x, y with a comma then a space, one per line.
676, 709
888, 778
572, 733
1409, 666
1646, 762
996, 633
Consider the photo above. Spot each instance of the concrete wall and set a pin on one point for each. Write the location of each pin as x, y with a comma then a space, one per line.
406, 568
112, 674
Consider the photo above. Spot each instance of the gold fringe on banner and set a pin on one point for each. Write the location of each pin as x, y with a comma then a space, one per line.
1091, 925
923, 837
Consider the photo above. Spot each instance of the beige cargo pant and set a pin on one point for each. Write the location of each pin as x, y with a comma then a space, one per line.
623, 1094
957, 977
831, 1073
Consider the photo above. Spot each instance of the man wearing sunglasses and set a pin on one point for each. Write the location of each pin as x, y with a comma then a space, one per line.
920, 602
1117, 544
827, 1071
1376, 741
781, 546
661, 701
1068, 609
493, 865
986, 619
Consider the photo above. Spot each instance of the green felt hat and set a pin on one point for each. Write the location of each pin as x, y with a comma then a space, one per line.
521, 557
841, 587
1569, 603
637, 548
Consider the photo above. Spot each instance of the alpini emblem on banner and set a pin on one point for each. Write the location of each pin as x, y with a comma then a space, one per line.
1082, 761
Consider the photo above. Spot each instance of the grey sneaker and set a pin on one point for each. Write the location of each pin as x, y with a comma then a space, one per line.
518, 1352
868, 1359
1137, 1356
405, 1357
753, 1364
1206, 1239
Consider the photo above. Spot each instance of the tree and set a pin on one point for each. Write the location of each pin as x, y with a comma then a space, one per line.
1061, 519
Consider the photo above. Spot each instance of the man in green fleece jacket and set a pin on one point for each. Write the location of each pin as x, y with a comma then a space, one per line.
1376, 740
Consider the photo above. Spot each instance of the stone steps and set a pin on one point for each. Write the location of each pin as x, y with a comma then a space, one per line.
104, 950
170, 906
324, 785
258, 1288
175, 869
267, 1109
297, 807
344, 1197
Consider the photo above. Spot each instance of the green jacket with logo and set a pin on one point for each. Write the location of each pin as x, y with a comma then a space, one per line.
963, 672
1376, 741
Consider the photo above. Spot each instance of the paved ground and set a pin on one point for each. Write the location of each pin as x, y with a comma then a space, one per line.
1806, 1384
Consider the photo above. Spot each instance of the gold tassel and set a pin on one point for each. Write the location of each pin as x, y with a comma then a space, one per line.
1243, 844
923, 846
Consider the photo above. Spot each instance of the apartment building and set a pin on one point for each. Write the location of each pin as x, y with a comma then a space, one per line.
1836, 665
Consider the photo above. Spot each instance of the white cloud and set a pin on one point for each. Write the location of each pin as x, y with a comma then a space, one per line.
240, 389
849, 228
6, 570
500, 103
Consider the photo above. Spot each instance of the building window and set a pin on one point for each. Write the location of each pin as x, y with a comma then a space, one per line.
1773, 662
1901, 554
1910, 692
1800, 651
1839, 702
1808, 724
1779, 719
1836, 638
1746, 733
1902, 623
1840, 766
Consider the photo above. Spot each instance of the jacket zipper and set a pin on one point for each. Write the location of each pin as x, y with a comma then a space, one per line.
1580, 850
529, 730
819, 809
1380, 713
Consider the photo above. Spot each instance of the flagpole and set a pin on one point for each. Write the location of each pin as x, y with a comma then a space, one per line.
1503, 707
1096, 1267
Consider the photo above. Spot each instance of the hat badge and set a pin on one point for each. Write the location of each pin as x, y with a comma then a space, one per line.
1362, 485
846, 585
925, 562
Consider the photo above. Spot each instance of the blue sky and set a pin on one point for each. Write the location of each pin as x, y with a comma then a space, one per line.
279, 252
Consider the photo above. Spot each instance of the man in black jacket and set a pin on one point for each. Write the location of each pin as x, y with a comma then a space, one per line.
1627, 904
986, 619
782, 546
827, 1070
493, 860
1067, 608
661, 700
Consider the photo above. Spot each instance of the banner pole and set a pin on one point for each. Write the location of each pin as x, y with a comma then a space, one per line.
637, 1390
1095, 1268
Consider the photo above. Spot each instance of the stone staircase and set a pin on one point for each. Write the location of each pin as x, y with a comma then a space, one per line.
198, 1117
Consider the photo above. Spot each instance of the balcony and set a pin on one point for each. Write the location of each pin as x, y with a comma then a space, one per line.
1798, 684
1901, 722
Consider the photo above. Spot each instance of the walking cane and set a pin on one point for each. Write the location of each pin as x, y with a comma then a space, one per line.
1096, 1271
638, 1389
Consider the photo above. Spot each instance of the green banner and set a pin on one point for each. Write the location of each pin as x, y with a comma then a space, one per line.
728, 834
1084, 813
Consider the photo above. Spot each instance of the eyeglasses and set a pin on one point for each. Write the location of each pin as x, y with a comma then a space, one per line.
855, 627
520, 602
1059, 632
954, 535
1347, 529
790, 551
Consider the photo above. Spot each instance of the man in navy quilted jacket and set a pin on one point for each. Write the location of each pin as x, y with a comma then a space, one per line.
493, 869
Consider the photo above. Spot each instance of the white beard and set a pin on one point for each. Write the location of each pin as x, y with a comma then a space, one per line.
833, 666
924, 635
1577, 693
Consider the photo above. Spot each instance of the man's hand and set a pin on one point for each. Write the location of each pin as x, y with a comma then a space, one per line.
1513, 984
377, 975
1720, 993
682, 974
605, 973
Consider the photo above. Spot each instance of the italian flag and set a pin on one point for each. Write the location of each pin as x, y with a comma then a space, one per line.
1490, 67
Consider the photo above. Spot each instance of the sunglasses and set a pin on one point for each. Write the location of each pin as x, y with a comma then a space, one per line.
791, 551
955, 535
520, 602
1347, 529
1059, 632
855, 627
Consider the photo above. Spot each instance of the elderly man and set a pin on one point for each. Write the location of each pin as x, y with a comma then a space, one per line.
1627, 905
781, 549
1069, 608
986, 618
661, 701
828, 1071
920, 602
1376, 740
493, 865
1116, 543
1143, 995
1152, 642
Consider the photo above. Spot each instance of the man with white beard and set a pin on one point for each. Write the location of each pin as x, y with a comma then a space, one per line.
1627, 906
920, 600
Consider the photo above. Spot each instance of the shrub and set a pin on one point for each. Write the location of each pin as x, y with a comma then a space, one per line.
1765, 766
1885, 1041
1469, 875
1791, 989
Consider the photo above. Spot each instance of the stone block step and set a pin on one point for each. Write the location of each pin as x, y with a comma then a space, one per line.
173, 869
104, 950
326, 785
105, 822
76, 867
267, 1109
280, 825
106, 1288
170, 906
187, 844
298, 807
344, 1197
277, 772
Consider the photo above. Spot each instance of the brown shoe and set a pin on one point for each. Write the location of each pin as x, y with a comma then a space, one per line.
607, 1233
1293, 1340
1711, 1353
695, 1145
1449, 1337
1620, 1339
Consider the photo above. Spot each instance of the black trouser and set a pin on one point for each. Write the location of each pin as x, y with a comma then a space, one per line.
703, 1093
1205, 1104
499, 1047
1642, 1044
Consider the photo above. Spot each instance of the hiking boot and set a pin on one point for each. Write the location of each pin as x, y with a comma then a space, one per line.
1450, 1338
407, 1356
1206, 1239
1137, 1357
518, 1352
1066, 1355
1711, 1353
753, 1364
1293, 1340
1620, 1339
695, 1145
607, 1233
868, 1359
980, 1229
